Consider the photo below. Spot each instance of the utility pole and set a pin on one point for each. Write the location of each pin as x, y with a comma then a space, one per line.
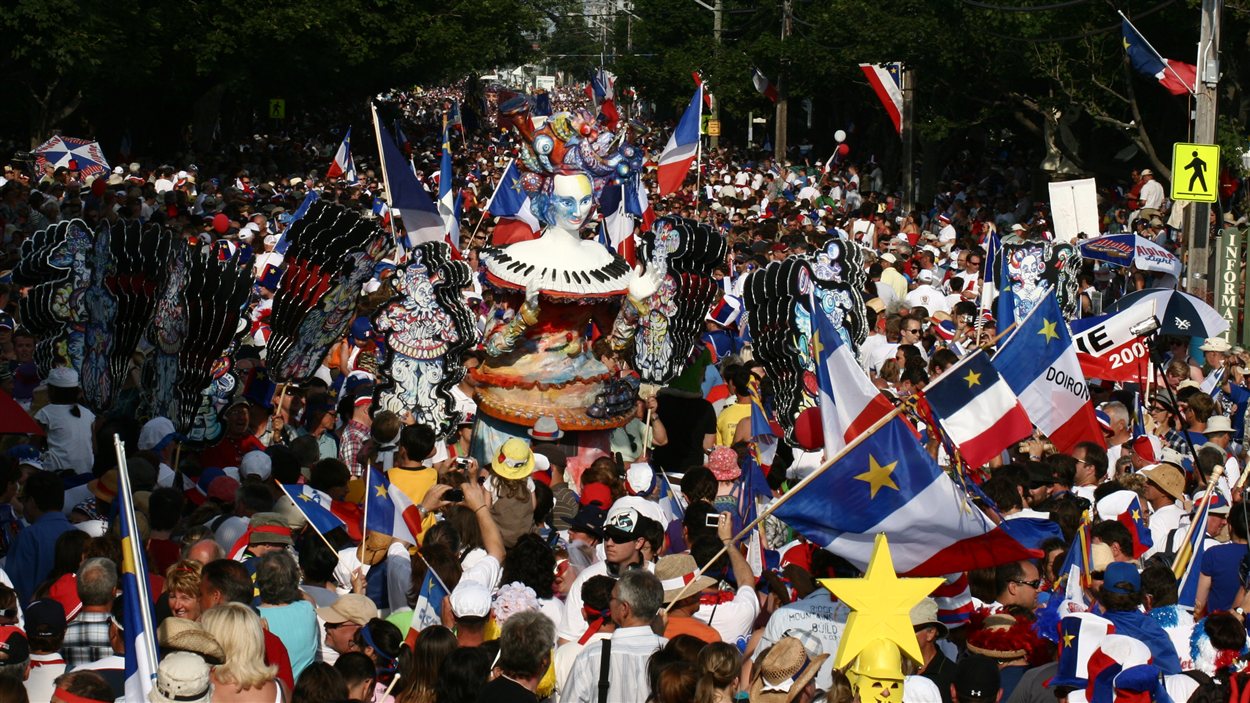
1198, 215
907, 82
779, 142
718, 25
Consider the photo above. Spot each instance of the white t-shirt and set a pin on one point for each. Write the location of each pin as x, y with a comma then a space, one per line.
573, 625
69, 438
733, 620
927, 297
816, 616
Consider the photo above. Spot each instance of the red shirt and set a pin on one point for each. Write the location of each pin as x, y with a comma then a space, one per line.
229, 452
275, 655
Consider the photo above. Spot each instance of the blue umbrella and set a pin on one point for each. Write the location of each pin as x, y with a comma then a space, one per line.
1179, 313
1131, 250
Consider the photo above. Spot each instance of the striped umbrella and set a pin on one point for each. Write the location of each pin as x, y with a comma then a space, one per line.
1179, 313
70, 152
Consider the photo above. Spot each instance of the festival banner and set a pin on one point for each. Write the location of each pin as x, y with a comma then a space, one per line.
1109, 350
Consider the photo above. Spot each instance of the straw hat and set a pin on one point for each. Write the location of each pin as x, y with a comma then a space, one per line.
784, 672
182, 635
676, 571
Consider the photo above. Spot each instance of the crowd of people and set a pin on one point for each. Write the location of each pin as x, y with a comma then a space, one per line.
621, 584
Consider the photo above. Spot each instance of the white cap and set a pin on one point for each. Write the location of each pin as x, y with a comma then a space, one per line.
154, 434
925, 276
470, 599
63, 377
256, 463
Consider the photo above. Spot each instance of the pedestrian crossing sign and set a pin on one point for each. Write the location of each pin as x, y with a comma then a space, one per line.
1195, 172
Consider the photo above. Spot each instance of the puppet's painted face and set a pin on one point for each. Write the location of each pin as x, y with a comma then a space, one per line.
570, 202
873, 690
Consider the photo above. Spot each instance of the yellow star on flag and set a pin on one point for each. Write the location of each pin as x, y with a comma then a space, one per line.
515, 185
817, 347
973, 379
1067, 640
878, 476
1137, 515
881, 604
308, 499
1048, 330
381, 490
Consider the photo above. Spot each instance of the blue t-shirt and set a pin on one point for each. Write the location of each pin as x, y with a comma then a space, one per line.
1221, 563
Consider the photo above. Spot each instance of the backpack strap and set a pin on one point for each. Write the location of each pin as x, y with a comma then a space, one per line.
605, 669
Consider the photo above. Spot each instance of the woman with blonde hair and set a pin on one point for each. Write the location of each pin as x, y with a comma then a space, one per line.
720, 665
244, 678
182, 583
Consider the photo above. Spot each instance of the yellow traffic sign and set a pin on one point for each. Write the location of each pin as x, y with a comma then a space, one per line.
1195, 172
713, 128
277, 108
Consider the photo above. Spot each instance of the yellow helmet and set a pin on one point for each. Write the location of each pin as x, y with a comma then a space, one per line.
881, 659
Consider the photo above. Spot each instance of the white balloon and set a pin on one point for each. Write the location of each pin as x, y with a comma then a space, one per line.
839, 136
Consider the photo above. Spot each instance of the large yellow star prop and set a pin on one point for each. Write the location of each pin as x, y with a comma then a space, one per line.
881, 604
1048, 330
972, 379
878, 476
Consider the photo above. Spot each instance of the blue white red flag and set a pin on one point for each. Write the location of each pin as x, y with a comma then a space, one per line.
511, 204
1189, 557
763, 85
139, 632
683, 146
849, 403
343, 164
429, 606
989, 269
977, 409
405, 194
889, 484
389, 510
446, 195
312, 197
1039, 363
1176, 77
314, 505
765, 430
884, 79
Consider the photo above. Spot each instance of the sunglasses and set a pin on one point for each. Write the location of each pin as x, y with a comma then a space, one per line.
1034, 584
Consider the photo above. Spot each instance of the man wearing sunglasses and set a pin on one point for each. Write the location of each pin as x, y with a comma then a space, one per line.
1017, 584
623, 544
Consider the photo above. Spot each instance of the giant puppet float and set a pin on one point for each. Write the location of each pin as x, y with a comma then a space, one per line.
555, 293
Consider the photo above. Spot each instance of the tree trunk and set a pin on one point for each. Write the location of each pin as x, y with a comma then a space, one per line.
206, 113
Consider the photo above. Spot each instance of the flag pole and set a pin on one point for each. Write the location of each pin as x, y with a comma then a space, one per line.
364, 525
1192, 92
698, 159
746, 530
135, 557
306, 519
377, 134
1186, 553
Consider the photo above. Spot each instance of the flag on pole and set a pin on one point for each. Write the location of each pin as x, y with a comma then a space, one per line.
884, 79
889, 484
1176, 77
765, 430
447, 197
511, 205
763, 85
312, 197
314, 505
989, 268
1188, 563
849, 403
429, 606
390, 510
139, 634
977, 409
683, 146
404, 193
1039, 362
343, 165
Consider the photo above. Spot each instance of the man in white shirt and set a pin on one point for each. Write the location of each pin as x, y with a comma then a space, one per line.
817, 616
1165, 485
623, 544
926, 296
636, 599
1151, 195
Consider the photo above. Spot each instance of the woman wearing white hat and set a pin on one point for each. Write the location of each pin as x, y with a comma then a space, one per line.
69, 426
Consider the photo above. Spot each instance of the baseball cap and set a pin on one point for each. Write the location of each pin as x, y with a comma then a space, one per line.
352, 607
976, 676
14, 647
1119, 572
589, 519
925, 276
470, 599
45, 618
256, 463
156, 434
269, 528
624, 526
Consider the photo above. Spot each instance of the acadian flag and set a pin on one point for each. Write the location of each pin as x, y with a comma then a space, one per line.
884, 79
1175, 76
404, 193
389, 510
140, 633
343, 164
511, 204
429, 607
1039, 362
977, 409
763, 85
1188, 563
314, 506
764, 428
849, 403
447, 197
683, 146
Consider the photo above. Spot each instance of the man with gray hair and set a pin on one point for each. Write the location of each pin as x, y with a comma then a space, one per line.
620, 661
87, 637
1121, 430
524, 653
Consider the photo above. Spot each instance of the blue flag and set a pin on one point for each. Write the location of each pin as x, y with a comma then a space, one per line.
406, 194
314, 506
296, 216
140, 634
429, 607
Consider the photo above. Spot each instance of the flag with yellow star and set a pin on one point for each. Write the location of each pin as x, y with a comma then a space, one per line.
1039, 363
313, 505
889, 484
977, 409
511, 204
389, 510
